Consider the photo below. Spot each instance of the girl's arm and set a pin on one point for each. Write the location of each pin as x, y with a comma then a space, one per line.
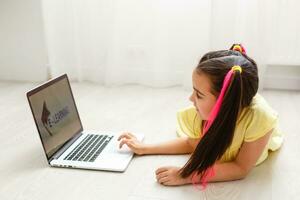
238, 169
244, 162
176, 146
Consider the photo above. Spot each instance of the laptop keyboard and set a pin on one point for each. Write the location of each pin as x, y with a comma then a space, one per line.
89, 148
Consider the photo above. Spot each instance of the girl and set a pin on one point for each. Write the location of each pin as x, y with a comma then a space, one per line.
229, 129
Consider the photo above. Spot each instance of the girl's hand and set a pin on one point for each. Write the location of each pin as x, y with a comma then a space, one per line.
132, 142
170, 176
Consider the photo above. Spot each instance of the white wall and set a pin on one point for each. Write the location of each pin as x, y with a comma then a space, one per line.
22, 43
154, 43
162, 39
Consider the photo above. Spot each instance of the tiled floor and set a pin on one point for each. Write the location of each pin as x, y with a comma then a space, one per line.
24, 173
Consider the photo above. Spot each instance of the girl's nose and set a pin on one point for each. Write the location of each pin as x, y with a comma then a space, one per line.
191, 98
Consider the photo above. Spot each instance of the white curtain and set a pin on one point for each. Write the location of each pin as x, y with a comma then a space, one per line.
159, 42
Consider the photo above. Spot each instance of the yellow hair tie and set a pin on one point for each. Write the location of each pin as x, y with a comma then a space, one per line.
237, 48
236, 67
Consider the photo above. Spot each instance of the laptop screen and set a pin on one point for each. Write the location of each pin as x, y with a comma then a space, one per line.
55, 113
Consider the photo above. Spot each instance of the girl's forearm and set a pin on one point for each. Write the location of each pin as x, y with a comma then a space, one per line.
227, 171
176, 146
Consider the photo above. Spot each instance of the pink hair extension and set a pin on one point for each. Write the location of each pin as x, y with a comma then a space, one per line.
213, 114
215, 110
210, 172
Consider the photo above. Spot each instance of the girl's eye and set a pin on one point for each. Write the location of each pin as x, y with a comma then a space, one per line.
198, 96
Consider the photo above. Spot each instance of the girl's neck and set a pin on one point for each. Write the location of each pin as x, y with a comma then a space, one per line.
202, 125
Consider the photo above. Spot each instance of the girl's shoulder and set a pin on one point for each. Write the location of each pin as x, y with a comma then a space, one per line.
260, 103
260, 108
258, 118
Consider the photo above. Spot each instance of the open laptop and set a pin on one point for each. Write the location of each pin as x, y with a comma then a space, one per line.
65, 142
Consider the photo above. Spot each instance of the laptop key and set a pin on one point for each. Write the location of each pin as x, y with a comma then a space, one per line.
71, 155
98, 152
89, 148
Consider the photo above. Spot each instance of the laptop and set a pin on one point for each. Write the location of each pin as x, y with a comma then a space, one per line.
65, 142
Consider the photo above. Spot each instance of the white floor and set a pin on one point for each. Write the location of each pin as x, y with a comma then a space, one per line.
24, 173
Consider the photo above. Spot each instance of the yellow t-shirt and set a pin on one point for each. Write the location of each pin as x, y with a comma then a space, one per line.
254, 122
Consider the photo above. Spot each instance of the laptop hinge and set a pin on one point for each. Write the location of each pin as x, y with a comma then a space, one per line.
64, 147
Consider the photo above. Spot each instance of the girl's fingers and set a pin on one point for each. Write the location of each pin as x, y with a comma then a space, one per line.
131, 135
162, 175
128, 142
124, 135
163, 180
122, 143
168, 183
161, 169
125, 141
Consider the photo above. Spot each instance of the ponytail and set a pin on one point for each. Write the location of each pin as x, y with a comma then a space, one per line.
219, 129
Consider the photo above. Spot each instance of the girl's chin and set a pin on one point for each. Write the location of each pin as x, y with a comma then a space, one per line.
199, 114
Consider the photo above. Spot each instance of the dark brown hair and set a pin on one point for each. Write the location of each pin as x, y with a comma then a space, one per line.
239, 94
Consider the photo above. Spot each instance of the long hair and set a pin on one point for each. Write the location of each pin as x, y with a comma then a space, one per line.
239, 94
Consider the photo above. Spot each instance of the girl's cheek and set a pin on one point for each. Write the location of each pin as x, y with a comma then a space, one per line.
202, 115
203, 112
200, 111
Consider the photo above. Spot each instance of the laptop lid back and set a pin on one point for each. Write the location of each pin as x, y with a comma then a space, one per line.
55, 113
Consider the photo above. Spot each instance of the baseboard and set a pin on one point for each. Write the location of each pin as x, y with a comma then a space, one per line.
287, 83
282, 77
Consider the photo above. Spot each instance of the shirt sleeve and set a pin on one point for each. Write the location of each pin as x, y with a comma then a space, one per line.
188, 123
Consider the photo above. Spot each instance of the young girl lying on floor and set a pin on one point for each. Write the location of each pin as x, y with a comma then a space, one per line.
228, 131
